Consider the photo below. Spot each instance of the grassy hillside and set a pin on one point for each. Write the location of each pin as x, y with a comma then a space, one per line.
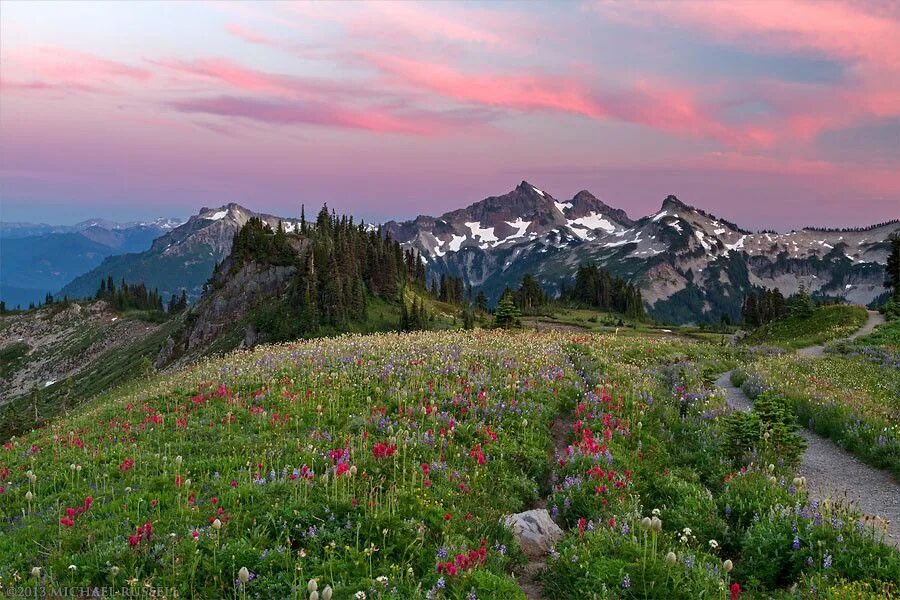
826, 323
886, 336
380, 466
97, 367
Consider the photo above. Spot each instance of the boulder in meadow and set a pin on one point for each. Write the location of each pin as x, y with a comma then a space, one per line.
534, 530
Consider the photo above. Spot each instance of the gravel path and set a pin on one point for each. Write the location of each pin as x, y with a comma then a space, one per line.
875, 319
733, 396
832, 472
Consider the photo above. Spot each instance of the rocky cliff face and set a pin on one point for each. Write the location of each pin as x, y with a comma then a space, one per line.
245, 289
60, 341
217, 320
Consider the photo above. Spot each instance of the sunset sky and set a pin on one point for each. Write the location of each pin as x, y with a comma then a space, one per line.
770, 113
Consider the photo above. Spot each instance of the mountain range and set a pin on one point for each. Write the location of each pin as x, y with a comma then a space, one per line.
182, 259
690, 266
37, 259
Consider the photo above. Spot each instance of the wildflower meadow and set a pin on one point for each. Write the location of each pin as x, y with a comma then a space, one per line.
382, 466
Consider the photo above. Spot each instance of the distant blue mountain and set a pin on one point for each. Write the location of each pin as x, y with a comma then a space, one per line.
37, 259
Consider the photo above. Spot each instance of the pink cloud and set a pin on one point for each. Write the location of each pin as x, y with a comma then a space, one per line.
424, 22
47, 68
232, 74
839, 29
404, 22
249, 35
322, 113
654, 104
866, 40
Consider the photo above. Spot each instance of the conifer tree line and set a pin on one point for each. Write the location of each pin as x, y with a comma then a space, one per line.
448, 288
601, 289
129, 296
178, 304
414, 317
892, 269
530, 296
764, 305
761, 306
256, 241
853, 229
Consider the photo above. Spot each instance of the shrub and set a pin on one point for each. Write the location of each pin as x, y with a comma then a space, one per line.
742, 434
749, 496
809, 540
683, 504
613, 564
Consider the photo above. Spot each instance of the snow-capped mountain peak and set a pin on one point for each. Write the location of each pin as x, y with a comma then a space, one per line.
493, 242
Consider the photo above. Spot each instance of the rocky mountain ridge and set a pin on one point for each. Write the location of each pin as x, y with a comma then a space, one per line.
691, 266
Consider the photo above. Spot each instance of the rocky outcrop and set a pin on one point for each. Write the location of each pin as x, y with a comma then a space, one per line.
534, 530
241, 291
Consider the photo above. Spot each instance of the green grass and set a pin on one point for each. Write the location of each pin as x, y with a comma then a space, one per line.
825, 324
886, 335
12, 357
584, 318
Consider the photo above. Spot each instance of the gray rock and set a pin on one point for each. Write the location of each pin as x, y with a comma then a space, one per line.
534, 530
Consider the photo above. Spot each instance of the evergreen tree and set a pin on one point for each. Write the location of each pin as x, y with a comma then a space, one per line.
530, 295
507, 314
750, 310
600, 289
481, 301
800, 303
468, 318
892, 269
404, 316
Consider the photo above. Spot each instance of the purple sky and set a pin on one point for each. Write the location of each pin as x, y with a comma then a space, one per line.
771, 114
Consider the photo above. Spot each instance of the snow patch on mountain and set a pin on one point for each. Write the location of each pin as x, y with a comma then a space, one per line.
456, 243
485, 235
738, 245
593, 221
702, 239
520, 225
